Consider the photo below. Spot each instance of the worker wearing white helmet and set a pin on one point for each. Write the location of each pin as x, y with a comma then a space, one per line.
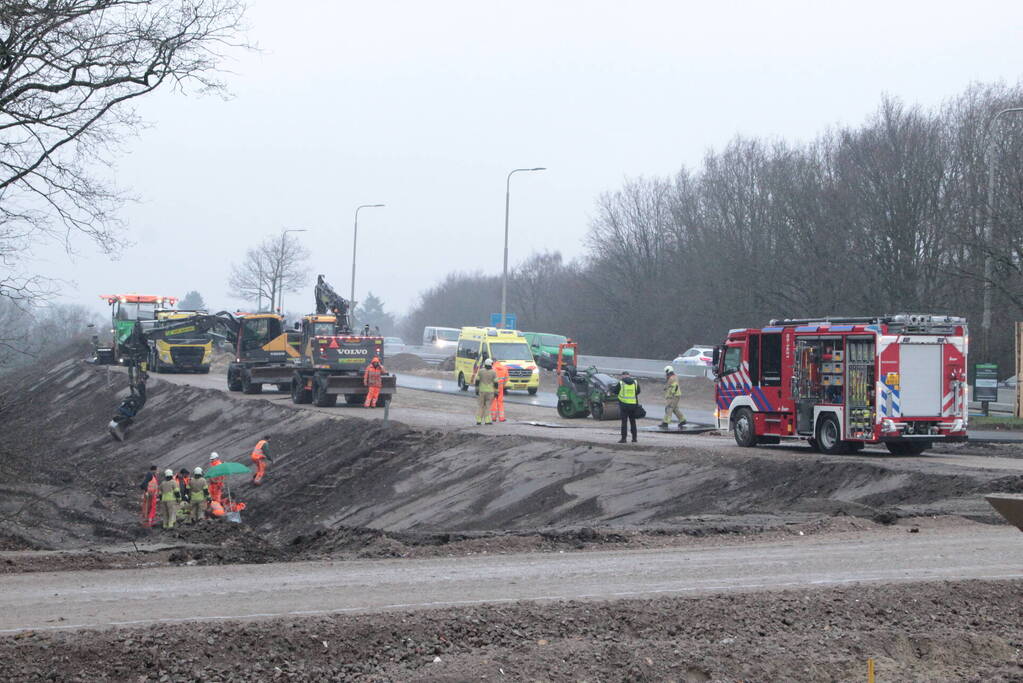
216, 484
199, 495
170, 496
672, 396
487, 383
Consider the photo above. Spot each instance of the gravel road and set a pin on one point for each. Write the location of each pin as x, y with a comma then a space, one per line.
76, 600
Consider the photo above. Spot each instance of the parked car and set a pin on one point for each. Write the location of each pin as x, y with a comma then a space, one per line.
545, 348
695, 361
393, 345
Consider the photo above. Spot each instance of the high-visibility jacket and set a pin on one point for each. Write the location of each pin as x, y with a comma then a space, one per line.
671, 388
628, 392
169, 491
487, 379
197, 487
502, 375
373, 376
153, 486
257, 452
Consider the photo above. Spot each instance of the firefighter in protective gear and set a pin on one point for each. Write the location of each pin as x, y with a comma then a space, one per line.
373, 379
216, 484
150, 496
672, 395
198, 491
170, 496
627, 390
497, 407
260, 456
487, 379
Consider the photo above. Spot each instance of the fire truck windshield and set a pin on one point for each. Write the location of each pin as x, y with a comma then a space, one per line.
733, 357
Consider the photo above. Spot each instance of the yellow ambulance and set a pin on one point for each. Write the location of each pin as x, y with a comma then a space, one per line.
476, 344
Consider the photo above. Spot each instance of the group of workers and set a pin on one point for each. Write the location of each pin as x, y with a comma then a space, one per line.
493, 380
193, 493
627, 390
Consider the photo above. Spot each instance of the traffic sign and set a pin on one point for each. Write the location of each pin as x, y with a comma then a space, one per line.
985, 382
510, 319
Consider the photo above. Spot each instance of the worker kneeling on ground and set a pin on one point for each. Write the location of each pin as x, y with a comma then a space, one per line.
672, 395
260, 456
199, 492
497, 407
170, 495
373, 380
487, 379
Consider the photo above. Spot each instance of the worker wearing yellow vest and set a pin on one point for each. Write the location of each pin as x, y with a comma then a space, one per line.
170, 495
487, 379
199, 492
497, 406
627, 390
260, 456
672, 395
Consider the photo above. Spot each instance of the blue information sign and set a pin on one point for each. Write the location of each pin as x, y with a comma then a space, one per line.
511, 321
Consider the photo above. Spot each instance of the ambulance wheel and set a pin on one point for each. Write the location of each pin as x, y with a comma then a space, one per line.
829, 436
462, 384
907, 447
532, 390
743, 429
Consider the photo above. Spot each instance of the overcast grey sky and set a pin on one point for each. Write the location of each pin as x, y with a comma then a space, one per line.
426, 106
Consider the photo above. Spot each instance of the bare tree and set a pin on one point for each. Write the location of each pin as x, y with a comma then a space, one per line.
268, 271
69, 70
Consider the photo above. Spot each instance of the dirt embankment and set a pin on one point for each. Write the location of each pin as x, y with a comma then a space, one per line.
967, 631
64, 483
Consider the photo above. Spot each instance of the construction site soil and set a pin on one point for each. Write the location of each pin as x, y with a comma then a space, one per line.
961, 631
344, 487
345, 484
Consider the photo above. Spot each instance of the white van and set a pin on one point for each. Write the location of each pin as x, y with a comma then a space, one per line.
441, 337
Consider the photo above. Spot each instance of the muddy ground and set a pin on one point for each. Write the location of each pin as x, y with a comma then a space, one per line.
963, 631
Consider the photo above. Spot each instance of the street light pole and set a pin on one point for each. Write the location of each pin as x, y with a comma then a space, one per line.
280, 291
989, 268
355, 243
507, 207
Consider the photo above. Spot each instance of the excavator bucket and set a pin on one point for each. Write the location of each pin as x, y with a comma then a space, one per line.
1008, 505
118, 428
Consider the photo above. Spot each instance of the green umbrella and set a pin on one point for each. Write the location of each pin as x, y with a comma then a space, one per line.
226, 468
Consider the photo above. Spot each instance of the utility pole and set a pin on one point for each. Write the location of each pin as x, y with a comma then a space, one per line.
355, 244
507, 209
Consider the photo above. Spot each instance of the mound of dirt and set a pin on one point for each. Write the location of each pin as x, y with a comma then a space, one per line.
404, 362
967, 630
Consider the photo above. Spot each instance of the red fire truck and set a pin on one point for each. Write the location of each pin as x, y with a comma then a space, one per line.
841, 383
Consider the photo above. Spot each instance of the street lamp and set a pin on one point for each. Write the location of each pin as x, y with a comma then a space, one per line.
355, 242
280, 275
507, 205
988, 261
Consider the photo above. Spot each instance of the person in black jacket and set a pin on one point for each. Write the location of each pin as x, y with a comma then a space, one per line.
627, 389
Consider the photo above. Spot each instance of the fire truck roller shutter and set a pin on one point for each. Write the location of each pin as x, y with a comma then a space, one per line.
920, 388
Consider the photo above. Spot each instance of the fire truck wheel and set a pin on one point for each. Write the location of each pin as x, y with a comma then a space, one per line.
829, 436
742, 428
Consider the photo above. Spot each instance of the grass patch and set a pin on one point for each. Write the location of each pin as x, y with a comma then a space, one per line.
997, 422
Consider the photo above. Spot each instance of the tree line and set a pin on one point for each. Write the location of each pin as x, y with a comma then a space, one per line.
887, 216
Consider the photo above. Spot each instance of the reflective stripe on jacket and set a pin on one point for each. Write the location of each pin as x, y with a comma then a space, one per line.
198, 489
169, 490
627, 393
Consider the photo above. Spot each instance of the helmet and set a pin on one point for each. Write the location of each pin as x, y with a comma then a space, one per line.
168, 473
376, 359
488, 362
197, 471
214, 456
668, 369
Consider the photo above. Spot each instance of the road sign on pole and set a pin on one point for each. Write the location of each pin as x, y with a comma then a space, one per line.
510, 319
985, 384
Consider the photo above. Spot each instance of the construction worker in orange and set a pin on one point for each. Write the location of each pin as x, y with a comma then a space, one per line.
216, 484
170, 496
150, 494
373, 379
497, 406
260, 456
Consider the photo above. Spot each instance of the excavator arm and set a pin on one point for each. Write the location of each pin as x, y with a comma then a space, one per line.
329, 301
134, 352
